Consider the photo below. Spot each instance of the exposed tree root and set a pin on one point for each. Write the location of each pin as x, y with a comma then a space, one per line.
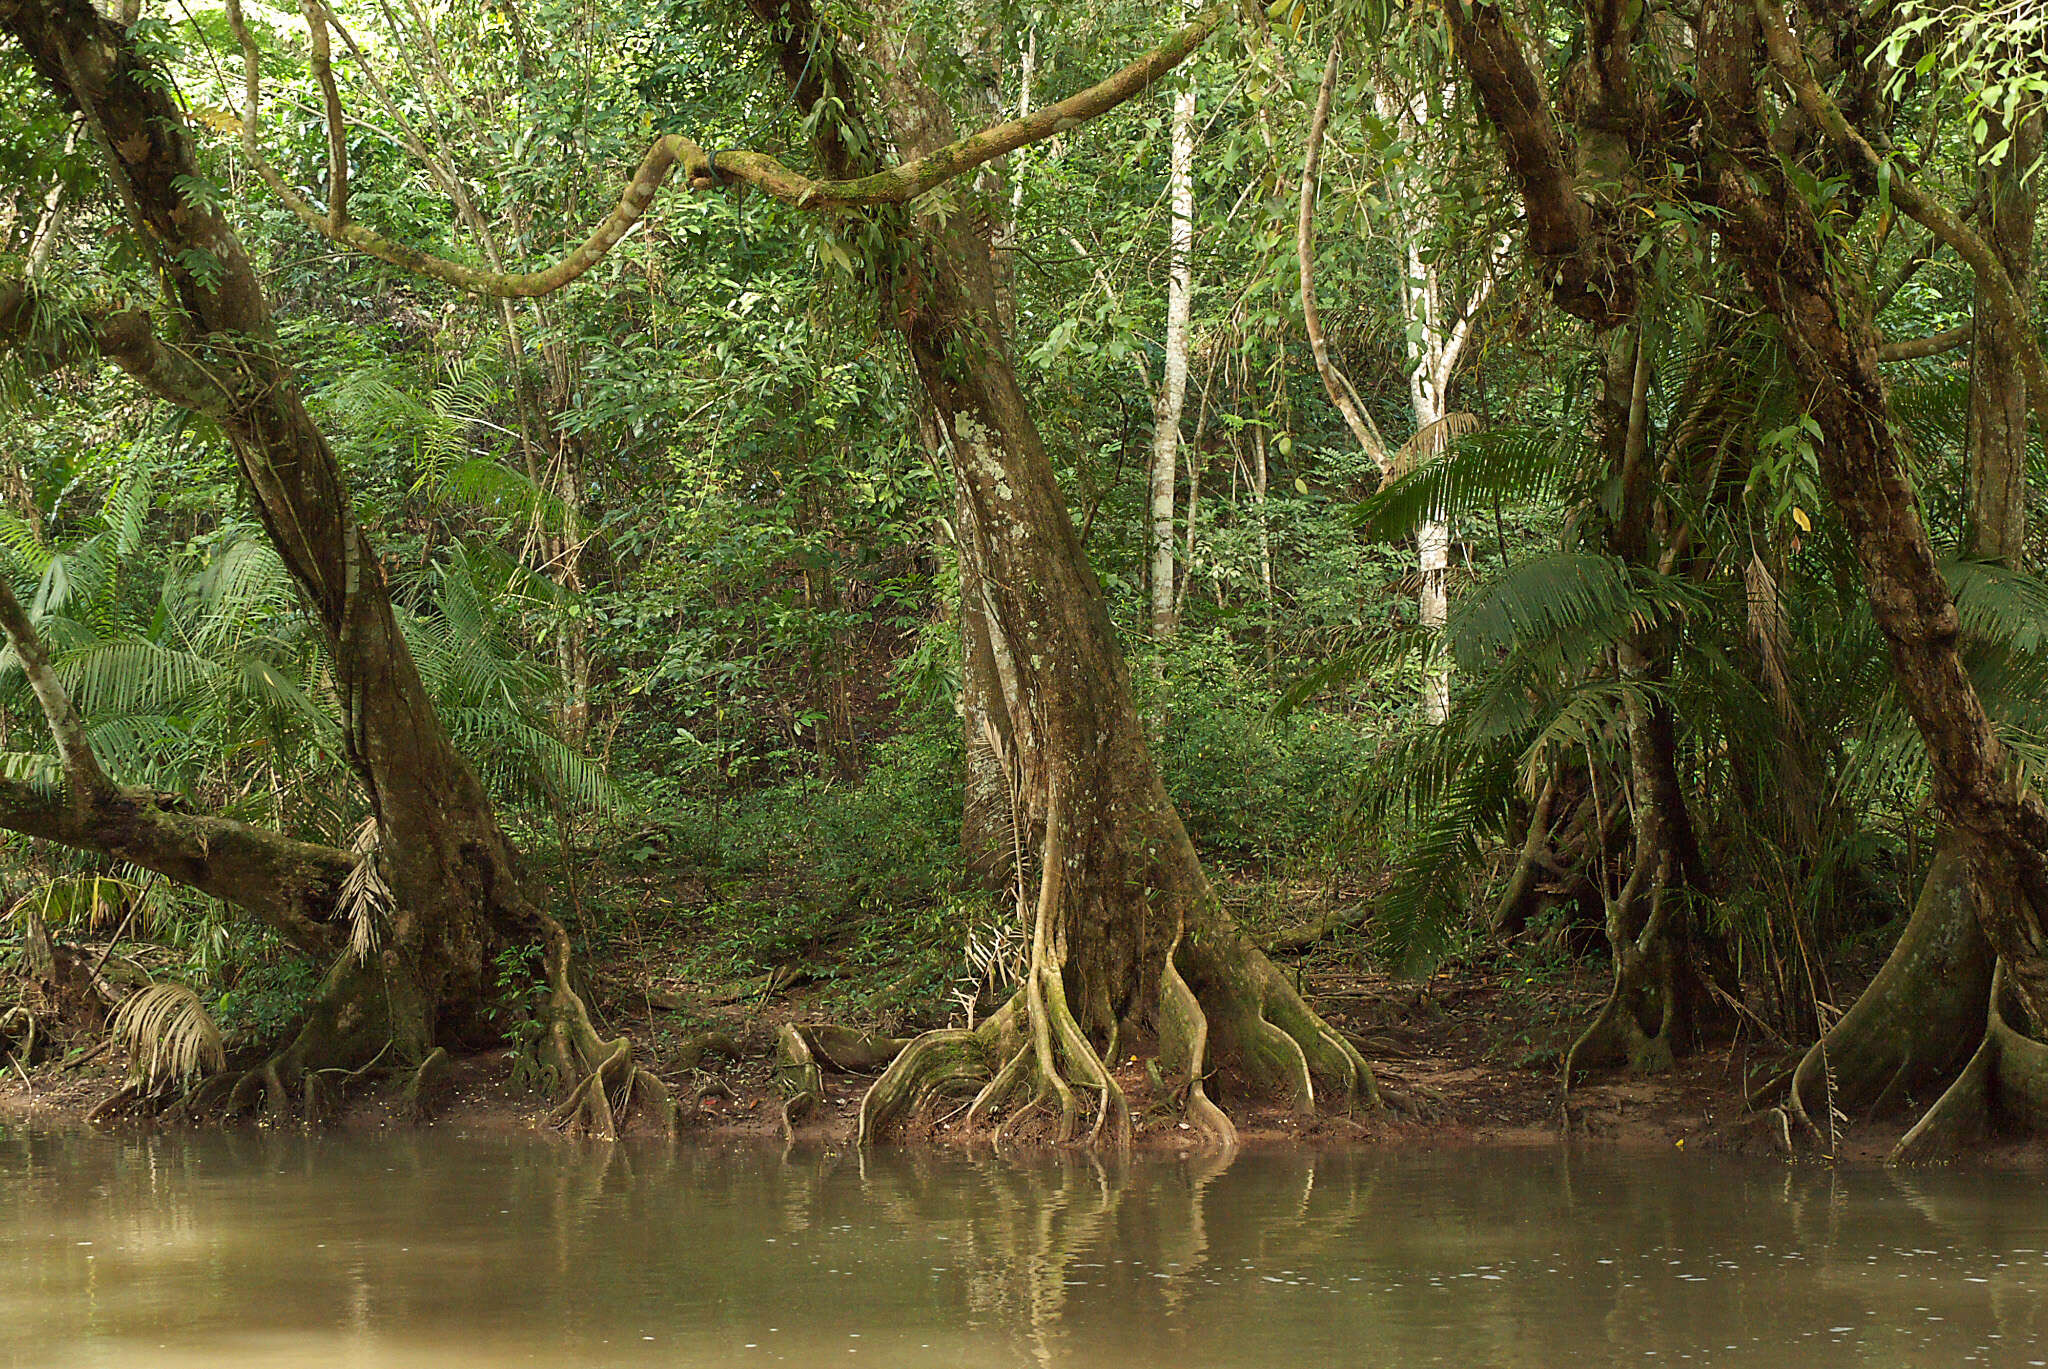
357, 1019
603, 1080
1045, 1054
1914, 1022
427, 1076
128, 1095
1184, 1035
802, 1054
938, 1064
21, 1033
1217, 998
1644, 977
798, 1075
1274, 1041
2004, 1084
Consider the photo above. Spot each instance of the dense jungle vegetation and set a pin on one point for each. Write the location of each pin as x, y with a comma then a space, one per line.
1022, 515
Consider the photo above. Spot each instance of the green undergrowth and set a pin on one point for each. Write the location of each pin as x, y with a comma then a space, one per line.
855, 885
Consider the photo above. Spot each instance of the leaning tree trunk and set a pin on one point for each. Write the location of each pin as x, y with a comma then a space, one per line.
992, 819
1129, 887
1132, 954
1913, 1025
456, 893
1997, 825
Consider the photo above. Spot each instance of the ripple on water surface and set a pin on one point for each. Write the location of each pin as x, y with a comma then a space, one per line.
430, 1249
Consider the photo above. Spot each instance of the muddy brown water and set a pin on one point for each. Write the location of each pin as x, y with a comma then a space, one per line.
433, 1249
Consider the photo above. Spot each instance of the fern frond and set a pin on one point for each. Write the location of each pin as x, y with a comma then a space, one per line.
1510, 466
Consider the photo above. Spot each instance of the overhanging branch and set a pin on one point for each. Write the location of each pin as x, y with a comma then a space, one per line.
1914, 348
897, 185
2009, 313
290, 885
47, 338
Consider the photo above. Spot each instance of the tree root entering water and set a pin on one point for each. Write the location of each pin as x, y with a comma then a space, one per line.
1041, 1046
604, 1080
2005, 1082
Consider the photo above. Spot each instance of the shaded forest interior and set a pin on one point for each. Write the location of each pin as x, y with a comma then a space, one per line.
1094, 572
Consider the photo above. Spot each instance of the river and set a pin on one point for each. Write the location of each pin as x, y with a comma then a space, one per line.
353, 1252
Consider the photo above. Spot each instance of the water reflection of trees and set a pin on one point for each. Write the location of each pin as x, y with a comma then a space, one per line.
1515, 1258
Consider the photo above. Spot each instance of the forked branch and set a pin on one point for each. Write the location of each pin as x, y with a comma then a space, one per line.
2009, 313
896, 185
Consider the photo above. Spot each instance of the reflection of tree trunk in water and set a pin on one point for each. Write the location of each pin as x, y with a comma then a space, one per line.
1132, 952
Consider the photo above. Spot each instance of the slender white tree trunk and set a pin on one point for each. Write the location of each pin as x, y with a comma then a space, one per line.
1259, 480
1434, 341
1172, 397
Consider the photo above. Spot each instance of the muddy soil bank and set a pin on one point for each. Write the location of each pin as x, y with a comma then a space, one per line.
1479, 1047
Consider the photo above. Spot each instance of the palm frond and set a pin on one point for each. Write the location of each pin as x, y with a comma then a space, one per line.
1425, 900
170, 1037
365, 899
1999, 605
1471, 475
1575, 598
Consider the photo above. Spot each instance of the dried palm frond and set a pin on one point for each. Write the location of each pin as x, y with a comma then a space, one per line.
365, 898
169, 1035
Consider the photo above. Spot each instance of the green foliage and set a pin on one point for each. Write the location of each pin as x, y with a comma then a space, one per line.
672, 550
1250, 785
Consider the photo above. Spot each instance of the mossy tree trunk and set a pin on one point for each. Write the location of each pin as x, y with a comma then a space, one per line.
1132, 952
457, 894
1996, 825
1913, 1025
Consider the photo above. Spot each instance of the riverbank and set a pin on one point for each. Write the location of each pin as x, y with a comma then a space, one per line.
1476, 1045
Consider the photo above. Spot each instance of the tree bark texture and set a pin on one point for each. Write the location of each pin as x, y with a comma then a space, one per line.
452, 871
1140, 951
1998, 822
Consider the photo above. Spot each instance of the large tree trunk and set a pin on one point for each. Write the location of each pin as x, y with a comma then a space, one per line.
1132, 952
454, 878
1913, 1025
1997, 825
990, 822
448, 865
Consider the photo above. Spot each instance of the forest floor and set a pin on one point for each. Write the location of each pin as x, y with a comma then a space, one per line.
1478, 1043
671, 959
